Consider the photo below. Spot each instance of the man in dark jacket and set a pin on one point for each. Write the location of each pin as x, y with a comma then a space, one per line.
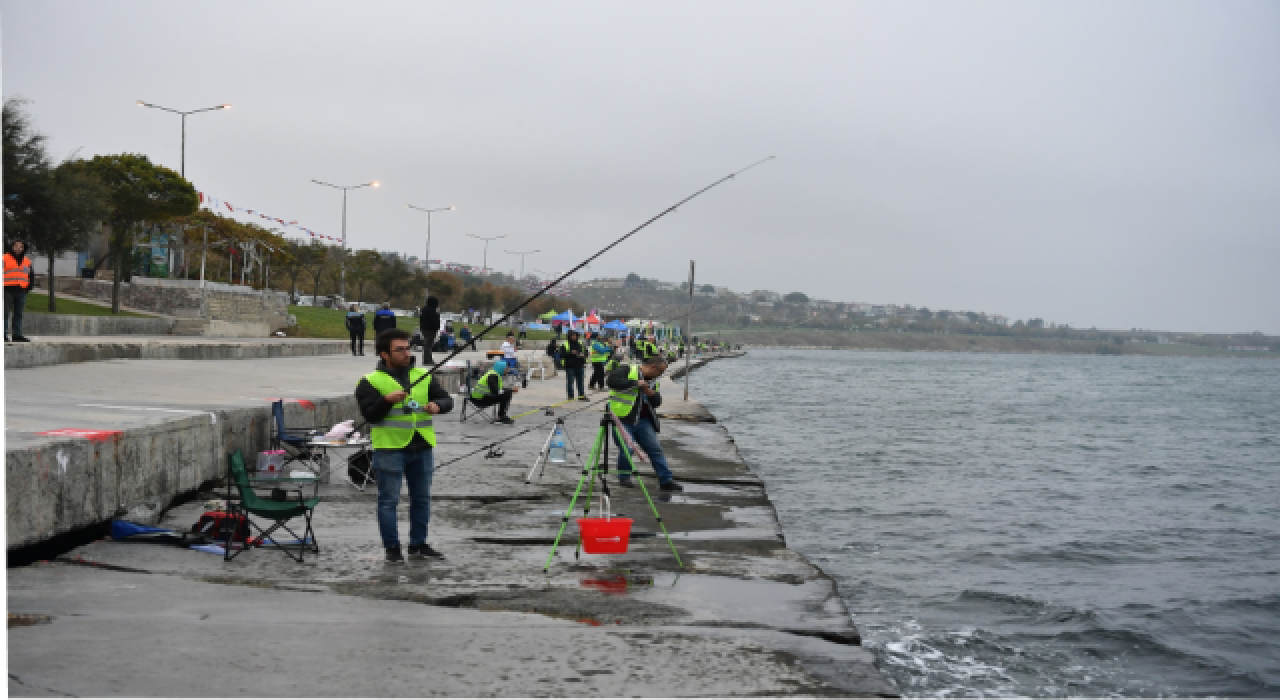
429, 324
400, 414
635, 400
574, 356
384, 319
355, 327
17, 282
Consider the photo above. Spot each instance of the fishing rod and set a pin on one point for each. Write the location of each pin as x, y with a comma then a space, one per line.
588, 261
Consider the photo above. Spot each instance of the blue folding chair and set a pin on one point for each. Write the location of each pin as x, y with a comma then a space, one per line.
294, 441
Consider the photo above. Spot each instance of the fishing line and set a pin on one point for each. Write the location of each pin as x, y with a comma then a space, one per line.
584, 263
526, 431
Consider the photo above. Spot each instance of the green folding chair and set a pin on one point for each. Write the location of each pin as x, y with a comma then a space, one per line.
245, 501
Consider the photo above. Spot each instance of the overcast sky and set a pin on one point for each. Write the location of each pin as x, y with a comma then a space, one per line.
1094, 163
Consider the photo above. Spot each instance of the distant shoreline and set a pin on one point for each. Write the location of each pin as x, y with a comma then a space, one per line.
964, 343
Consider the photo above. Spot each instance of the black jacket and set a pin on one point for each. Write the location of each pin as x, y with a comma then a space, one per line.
429, 324
644, 407
374, 408
382, 320
355, 322
573, 361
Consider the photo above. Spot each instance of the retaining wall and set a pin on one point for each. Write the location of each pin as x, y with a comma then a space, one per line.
72, 483
67, 324
186, 299
25, 355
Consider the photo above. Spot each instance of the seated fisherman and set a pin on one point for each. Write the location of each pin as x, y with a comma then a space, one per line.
488, 391
635, 401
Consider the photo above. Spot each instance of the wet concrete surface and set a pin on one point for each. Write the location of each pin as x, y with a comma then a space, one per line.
744, 616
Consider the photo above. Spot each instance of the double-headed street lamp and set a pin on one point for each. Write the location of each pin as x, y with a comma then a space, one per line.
429, 212
182, 168
343, 286
486, 246
522, 253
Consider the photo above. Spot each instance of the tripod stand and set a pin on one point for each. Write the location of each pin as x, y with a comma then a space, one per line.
545, 455
598, 465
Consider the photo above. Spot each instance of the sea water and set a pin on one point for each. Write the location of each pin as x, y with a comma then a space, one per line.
1042, 525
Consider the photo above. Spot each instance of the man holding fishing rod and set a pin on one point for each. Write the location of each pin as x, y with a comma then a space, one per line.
635, 401
399, 401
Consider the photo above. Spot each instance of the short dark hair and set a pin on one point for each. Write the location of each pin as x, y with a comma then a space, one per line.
383, 342
651, 360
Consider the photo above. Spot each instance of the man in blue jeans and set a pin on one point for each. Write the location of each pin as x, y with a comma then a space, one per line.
634, 399
400, 402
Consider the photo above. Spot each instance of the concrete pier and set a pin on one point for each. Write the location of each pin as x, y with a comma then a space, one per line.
744, 616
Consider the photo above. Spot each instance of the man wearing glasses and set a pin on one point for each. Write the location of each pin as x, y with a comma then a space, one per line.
401, 415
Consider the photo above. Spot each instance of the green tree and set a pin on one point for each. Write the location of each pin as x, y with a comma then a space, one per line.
796, 298
314, 259
77, 201
26, 167
361, 268
140, 191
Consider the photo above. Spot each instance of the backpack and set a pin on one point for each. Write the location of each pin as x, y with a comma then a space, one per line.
222, 526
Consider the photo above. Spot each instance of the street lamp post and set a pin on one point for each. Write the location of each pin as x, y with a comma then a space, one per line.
182, 168
342, 288
522, 253
429, 212
486, 246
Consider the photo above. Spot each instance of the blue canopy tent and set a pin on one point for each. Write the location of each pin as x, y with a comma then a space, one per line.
615, 326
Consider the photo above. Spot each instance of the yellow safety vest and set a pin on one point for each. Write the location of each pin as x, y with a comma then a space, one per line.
481, 389
396, 429
621, 403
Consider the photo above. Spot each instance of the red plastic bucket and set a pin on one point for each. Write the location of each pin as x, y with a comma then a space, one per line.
601, 536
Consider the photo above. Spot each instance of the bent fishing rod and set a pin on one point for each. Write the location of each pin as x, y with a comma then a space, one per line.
586, 262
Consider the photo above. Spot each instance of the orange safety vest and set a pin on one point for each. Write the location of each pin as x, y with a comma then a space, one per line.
16, 275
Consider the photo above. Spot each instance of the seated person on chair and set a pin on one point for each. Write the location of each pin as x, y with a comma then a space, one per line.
635, 401
489, 391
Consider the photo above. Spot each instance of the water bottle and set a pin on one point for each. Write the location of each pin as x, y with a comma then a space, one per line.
557, 453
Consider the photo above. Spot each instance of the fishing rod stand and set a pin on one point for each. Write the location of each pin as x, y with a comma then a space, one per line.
544, 455
598, 466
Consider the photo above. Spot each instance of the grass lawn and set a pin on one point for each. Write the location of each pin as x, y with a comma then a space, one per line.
319, 322
39, 304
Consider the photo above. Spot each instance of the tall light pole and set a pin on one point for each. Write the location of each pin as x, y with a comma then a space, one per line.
429, 213
522, 253
342, 289
486, 245
182, 167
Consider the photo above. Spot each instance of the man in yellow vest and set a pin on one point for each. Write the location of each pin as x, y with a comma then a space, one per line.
489, 391
400, 415
17, 282
635, 401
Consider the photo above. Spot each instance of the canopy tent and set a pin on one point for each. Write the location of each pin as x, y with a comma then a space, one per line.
592, 319
548, 315
565, 316
615, 326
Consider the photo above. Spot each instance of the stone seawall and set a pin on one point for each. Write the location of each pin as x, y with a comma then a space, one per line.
69, 483
27, 355
185, 299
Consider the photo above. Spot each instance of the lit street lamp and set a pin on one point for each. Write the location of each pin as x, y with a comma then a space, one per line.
342, 291
182, 168
486, 246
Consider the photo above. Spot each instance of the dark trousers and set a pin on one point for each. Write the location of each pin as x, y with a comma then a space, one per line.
15, 298
503, 400
597, 375
572, 374
357, 342
417, 467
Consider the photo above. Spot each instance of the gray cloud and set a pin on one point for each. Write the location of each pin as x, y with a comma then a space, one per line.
1109, 164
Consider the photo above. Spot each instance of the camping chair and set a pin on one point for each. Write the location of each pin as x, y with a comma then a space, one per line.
490, 413
292, 440
245, 501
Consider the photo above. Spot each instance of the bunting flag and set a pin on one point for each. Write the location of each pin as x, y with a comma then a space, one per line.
214, 203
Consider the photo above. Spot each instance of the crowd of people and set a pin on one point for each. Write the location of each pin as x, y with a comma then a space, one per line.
400, 401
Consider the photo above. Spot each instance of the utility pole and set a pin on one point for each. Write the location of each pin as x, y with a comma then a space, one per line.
688, 331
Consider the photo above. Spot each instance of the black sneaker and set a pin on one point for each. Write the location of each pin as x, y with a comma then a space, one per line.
626, 483
21, 339
580, 398
671, 486
422, 551
394, 555
505, 420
